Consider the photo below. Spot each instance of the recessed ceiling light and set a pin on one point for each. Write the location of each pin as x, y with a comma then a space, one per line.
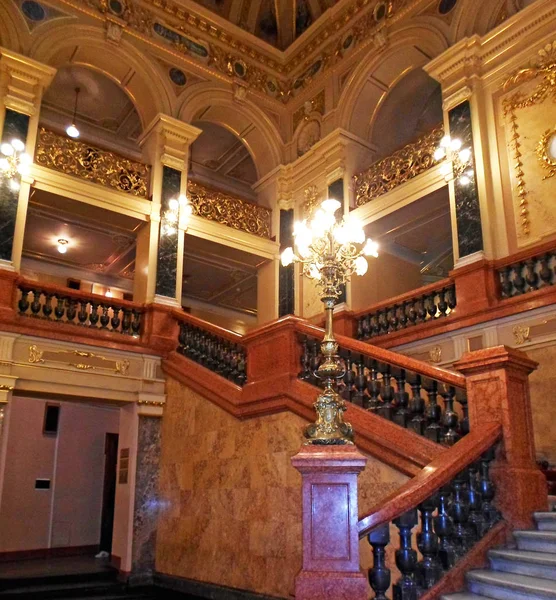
62, 246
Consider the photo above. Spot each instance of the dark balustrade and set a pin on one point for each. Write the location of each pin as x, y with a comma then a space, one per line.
449, 523
528, 275
424, 405
214, 352
422, 308
67, 307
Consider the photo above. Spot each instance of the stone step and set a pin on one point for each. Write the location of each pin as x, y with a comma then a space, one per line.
524, 562
536, 541
546, 521
509, 586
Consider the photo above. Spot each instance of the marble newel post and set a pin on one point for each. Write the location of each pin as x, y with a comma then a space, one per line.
331, 567
22, 83
159, 264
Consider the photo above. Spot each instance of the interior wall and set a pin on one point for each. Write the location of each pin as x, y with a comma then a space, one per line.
388, 276
68, 514
231, 499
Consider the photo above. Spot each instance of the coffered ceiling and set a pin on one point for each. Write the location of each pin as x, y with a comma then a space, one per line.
278, 22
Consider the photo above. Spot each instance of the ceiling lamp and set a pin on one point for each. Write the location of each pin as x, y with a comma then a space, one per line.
62, 246
72, 130
14, 161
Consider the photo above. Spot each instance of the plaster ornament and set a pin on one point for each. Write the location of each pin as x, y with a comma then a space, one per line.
114, 32
308, 136
240, 93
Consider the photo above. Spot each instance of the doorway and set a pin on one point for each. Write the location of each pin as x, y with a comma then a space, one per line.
109, 491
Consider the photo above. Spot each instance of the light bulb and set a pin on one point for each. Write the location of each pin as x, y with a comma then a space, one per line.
465, 155
342, 235
439, 154
464, 180
62, 246
72, 131
445, 169
287, 257
445, 141
331, 205
455, 144
371, 248
169, 230
7, 149
14, 185
25, 159
23, 169
108, 293
4, 164
18, 145
173, 204
361, 265
302, 250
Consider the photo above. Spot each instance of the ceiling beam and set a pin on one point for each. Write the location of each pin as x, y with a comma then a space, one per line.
285, 22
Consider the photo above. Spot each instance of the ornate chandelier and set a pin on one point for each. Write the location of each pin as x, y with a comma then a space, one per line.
330, 252
459, 161
14, 162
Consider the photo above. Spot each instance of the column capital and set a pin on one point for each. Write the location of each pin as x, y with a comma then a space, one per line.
24, 81
168, 139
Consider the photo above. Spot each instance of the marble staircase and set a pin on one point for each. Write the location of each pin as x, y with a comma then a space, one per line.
526, 571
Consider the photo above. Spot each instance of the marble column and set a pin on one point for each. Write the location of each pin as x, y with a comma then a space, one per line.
286, 279
22, 84
159, 263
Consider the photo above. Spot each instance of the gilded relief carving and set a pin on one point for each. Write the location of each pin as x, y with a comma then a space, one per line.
72, 157
521, 334
390, 172
435, 354
119, 367
543, 67
229, 210
311, 201
316, 104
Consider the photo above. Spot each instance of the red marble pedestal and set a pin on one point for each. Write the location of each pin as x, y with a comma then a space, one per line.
331, 567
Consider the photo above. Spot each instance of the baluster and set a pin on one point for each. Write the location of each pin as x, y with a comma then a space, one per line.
433, 412
519, 282
418, 422
506, 285
359, 333
374, 325
366, 326
241, 368
444, 527
233, 363
348, 378
379, 574
304, 360
545, 273
93, 315
451, 297
431, 305
488, 490
136, 323
411, 312
36, 304
406, 558
383, 323
115, 321
476, 518
402, 401
459, 511
450, 417
392, 319
59, 309
531, 277
71, 309
373, 387
429, 570
104, 318
402, 316
227, 359
359, 383
47, 306
23, 303
464, 421
126, 321
421, 310
181, 339
386, 410
442, 304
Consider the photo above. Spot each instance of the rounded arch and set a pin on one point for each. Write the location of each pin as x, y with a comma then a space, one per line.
410, 47
207, 102
12, 27
469, 22
86, 46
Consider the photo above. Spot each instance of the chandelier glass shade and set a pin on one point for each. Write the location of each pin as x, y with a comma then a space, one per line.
171, 216
459, 161
14, 162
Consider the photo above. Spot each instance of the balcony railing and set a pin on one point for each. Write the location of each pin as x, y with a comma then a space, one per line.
76, 158
229, 210
401, 166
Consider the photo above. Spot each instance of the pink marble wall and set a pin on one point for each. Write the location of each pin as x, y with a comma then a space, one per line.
231, 499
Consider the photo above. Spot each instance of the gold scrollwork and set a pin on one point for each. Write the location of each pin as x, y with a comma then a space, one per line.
87, 162
521, 334
401, 166
6, 388
120, 367
546, 157
311, 201
229, 210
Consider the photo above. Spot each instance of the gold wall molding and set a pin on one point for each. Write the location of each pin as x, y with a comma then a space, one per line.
151, 402
546, 160
229, 210
76, 158
85, 361
6, 388
311, 194
543, 66
401, 166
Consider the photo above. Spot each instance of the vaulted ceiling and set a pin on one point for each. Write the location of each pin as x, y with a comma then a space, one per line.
278, 22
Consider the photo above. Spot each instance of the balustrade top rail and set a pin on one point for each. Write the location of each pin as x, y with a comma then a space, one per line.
401, 166
85, 161
229, 210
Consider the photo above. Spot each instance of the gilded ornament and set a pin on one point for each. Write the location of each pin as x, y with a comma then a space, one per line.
311, 201
121, 367
390, 172
229, 210
6, 388
435, 354
521, 334
72, 157
546, 153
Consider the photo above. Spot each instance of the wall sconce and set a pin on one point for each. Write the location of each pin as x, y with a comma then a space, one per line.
171, 216
14, 161
459, 161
